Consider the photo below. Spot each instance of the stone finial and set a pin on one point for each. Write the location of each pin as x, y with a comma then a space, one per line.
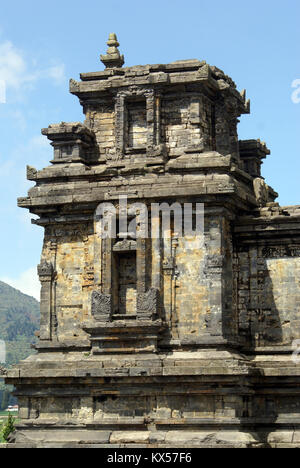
113, 58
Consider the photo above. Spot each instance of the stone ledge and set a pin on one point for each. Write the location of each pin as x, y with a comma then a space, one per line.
233, 422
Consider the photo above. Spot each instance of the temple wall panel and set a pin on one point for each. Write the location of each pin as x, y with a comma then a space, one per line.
269, 296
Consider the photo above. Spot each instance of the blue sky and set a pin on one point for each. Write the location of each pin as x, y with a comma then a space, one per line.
43, 45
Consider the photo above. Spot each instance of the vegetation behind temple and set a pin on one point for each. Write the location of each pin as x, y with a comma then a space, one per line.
19, 319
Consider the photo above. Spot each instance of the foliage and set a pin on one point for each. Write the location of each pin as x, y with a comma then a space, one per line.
8, 428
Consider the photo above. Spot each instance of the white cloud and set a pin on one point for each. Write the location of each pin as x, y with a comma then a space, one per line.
57, 72
19, 74
12, 66
28, 283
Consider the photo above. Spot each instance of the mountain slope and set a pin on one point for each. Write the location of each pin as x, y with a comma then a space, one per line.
19, 319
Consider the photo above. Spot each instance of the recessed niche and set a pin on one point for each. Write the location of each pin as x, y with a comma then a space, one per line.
136, 124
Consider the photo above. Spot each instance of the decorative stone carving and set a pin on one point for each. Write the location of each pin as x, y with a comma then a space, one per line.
74, 86
281, 251
113, 58
152, 108
147, 304
126, 245
74, 233
101, 306
261, 191
45, 271
169, 265
214, 261
134, 91
31, 173
46, 274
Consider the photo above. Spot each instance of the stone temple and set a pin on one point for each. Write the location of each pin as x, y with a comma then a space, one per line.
153, 342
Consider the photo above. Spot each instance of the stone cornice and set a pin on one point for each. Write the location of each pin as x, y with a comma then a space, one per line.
177, 73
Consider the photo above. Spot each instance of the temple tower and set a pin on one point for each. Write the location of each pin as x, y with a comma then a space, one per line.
183, 339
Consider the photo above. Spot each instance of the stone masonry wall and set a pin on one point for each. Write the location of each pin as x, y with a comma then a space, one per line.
101, 119
187, 122
110, 407
269, 296
191, 285
70, 249
137, 125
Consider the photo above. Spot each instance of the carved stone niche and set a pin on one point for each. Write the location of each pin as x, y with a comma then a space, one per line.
126, 311
109, 334
72, 142
135, 331
146, 115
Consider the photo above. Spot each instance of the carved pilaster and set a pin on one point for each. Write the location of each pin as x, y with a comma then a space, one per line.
151, 118
120, 128
46, 274
222, 130
107, 266
142, 258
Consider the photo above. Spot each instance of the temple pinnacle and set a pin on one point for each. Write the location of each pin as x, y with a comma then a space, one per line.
113, 58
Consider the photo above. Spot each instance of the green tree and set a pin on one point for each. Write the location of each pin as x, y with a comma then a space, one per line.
8, 428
